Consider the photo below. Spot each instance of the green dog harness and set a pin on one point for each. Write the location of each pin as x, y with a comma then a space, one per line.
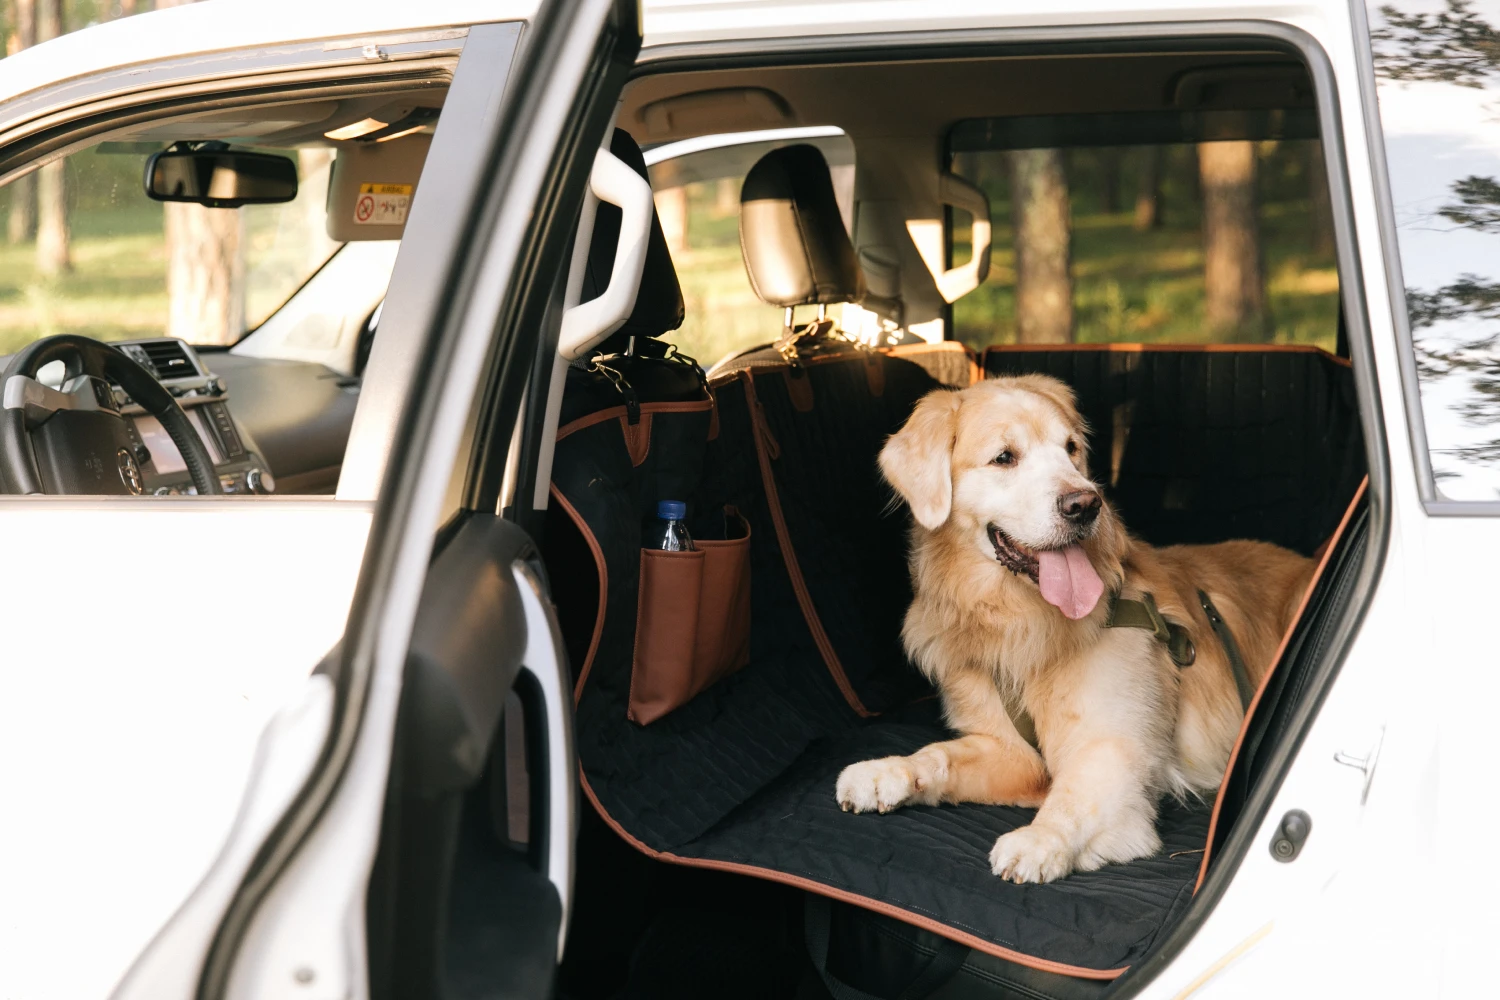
1142, 614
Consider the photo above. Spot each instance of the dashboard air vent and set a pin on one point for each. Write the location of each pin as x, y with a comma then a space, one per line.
169, 358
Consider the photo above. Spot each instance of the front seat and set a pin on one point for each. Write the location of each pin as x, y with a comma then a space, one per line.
795, 247
632, 365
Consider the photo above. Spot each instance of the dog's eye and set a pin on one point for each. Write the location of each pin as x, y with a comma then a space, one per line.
1006, 457
1072, 447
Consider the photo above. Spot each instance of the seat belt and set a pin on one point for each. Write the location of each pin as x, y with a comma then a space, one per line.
1142, 614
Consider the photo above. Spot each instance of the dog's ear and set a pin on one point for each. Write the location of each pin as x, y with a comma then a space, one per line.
918, 459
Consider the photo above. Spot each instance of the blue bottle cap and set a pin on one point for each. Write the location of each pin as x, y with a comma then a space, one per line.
671, 510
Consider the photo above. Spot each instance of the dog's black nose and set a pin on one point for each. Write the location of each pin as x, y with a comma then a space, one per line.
1080, 506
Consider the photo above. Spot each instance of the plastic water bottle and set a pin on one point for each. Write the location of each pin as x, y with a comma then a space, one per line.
668, 532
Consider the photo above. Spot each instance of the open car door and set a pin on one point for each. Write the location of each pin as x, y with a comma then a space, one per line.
403, 863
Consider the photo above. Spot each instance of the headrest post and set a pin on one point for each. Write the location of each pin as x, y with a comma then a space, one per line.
786, 319
630, 347
822, 311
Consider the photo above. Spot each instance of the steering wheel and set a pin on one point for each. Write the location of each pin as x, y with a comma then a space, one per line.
75, 440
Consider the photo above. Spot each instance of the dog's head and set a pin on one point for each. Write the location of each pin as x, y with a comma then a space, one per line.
1004, 464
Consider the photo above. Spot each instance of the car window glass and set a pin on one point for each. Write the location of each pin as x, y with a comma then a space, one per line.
1437, 74
1170, 242
698, 202
86, 252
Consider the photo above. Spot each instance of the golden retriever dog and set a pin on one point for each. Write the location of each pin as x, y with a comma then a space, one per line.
1014, 556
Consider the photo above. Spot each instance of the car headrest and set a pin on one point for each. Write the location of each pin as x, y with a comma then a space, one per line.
791, 233
658, 304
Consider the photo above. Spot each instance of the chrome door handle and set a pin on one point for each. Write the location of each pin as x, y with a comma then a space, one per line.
1365, 764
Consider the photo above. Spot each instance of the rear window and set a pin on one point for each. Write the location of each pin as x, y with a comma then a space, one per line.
1183, 227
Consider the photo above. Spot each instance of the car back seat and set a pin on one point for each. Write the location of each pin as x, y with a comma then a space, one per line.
739, 777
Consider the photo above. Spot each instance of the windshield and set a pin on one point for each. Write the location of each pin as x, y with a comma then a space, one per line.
86, 252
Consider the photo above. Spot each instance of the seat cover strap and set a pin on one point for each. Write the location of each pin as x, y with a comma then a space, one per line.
1231, 650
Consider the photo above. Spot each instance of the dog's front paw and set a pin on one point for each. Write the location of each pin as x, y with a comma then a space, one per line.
1031, 854
876, 785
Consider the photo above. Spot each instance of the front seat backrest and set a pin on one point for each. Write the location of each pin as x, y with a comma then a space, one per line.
658, 303
791, 233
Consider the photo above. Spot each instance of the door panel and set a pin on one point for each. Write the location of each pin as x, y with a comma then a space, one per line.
420, 678
453, 906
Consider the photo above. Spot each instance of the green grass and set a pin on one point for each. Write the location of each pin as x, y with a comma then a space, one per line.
1148, 287
116, 290
1127, 286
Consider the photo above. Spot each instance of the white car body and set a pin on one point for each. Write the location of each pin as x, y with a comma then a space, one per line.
132, 765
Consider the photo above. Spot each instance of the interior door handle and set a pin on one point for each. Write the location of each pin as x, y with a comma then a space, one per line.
953, 283
545, 661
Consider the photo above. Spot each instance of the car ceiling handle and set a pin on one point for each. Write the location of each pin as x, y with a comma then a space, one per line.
928, 235
587, 323
545, 660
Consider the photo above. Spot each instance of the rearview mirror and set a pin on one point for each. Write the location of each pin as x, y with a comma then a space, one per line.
220, 177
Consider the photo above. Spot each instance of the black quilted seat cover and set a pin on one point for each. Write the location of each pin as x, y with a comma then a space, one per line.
1198, 446
742, 776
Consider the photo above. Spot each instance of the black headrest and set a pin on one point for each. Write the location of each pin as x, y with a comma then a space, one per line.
791, 234
658, 306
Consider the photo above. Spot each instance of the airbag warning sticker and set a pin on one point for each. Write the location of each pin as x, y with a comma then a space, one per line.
382, 204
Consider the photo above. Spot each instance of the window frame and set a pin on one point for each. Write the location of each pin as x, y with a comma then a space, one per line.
1095, 38
1395, 281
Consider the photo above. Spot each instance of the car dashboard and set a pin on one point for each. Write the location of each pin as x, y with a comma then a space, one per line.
204, 397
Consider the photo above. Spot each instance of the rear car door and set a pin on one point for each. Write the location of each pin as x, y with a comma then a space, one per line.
403, 864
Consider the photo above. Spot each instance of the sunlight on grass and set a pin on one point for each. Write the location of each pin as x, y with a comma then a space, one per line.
116, 290
1148, 287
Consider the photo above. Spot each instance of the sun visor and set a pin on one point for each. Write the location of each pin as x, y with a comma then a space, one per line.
371, 190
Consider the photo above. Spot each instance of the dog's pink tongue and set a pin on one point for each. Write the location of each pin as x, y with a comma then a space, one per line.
1068, 580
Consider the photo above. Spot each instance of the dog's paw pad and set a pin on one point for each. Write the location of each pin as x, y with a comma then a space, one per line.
875, 785
1031, 855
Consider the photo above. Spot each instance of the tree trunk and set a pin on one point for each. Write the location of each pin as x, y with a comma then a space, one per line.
726, 197
671, 206
53, 255
1234, 289
1320, 204
205, 267
1148, 201
22, 223
1043, 233
52, 252
1109, 179
205, 274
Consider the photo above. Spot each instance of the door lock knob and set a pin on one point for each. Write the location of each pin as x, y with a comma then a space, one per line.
1291, 835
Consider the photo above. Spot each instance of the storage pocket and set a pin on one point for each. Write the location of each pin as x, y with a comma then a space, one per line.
692, 624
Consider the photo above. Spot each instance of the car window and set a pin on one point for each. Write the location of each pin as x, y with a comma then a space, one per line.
1437, 73
1097, 239
697, 186
87, 252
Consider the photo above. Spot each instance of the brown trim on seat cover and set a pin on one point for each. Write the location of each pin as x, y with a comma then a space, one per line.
1175, 348
620, 412
770, 874
863, 902
1328, 550
789, 554
809, 885
614, 412
976, 372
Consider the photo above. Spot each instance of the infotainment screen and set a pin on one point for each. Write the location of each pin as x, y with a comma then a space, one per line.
164, 454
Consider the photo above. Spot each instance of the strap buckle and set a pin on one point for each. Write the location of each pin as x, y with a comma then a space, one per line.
1143, 614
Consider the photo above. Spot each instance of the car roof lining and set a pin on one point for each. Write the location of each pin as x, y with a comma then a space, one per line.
286, 123
927, 97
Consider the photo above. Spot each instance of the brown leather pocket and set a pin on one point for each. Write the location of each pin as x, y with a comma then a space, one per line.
692, 624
